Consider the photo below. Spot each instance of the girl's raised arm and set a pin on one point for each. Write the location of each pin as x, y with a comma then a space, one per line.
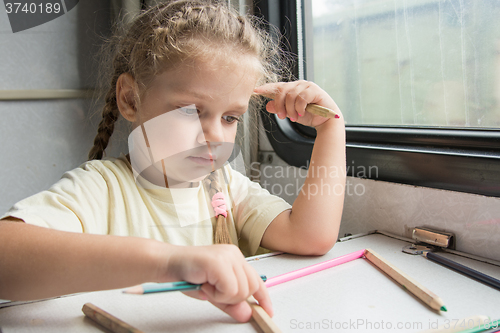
312, 226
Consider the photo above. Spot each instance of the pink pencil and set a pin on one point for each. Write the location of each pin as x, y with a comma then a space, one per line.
313, 268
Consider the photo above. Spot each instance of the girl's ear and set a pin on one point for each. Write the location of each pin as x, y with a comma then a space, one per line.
125, 96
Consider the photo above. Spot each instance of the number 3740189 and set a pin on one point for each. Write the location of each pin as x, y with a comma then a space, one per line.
32, 8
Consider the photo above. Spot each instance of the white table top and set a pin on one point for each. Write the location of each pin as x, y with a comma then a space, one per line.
352, 297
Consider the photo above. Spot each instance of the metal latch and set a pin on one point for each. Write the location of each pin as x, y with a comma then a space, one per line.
426, 239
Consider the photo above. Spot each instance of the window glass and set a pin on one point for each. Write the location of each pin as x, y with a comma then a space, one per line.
408, 62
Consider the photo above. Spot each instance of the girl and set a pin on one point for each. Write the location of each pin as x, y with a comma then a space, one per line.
183, 75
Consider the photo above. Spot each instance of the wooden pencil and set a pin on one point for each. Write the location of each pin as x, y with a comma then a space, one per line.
107, 320
261, 317
314, 109
424, 294
321, 111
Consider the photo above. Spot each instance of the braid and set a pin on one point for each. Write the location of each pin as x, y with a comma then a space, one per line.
119, 64
106, 126
221, 232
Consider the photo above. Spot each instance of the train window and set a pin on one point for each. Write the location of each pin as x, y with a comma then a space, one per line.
418, 82
411, 63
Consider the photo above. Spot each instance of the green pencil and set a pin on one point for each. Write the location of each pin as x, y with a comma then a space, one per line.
148, 288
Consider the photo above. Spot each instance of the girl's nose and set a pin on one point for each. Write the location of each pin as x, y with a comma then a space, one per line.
212, 131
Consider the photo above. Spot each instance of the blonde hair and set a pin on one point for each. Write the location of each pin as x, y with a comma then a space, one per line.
176, 31
171, 33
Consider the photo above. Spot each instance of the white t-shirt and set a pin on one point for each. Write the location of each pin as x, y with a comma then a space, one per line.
102, 197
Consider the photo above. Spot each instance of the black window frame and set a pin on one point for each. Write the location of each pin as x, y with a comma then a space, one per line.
458, 159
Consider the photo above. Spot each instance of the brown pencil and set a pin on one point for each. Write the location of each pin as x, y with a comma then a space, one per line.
314, 109
265, 322
407, 282
107, 320
321, 111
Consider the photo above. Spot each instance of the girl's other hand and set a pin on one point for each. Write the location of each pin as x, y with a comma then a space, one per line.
227, 279
291, 98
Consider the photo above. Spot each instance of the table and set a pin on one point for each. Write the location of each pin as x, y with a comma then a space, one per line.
352, 297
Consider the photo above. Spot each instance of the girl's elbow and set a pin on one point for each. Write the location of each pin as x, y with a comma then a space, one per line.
321, 248
326, 242
318, 246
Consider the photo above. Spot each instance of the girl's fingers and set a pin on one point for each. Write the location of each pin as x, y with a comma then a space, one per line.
229, 281
240, 311
290, 98
232, 278
270, 107
198, 294
224, 288
267, 90
243, 285
290, 106
261, 295
295, 95
209, 290
300, 106
254, 280
278, 92
279, 104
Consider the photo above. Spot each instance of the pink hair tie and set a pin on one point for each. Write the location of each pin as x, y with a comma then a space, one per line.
219, 204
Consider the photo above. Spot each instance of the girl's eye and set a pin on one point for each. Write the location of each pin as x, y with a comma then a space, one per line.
231, 119
188, 110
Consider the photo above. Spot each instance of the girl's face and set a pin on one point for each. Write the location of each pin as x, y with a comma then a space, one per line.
188, 118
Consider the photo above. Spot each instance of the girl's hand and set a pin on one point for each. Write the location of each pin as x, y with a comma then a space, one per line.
291, 98
228, 280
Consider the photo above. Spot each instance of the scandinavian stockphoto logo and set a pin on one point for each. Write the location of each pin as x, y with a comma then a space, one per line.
25, 15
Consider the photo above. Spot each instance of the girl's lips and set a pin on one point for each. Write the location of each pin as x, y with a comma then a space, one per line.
201, 160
